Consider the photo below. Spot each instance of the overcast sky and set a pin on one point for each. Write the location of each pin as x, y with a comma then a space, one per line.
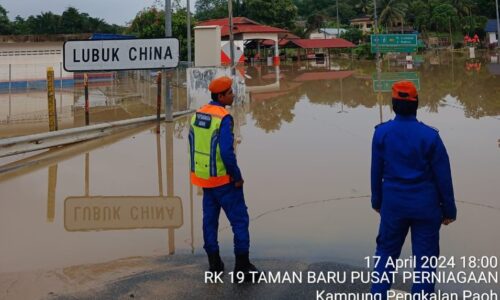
112, 11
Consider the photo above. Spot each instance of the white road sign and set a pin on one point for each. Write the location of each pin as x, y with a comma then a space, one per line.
108, 55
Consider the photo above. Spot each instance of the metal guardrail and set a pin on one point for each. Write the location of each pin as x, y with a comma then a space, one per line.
34, 142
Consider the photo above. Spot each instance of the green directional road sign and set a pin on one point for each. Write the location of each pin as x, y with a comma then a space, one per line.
394, 43
388, 79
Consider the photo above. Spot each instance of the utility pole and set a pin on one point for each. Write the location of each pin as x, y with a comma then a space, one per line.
189, 32
168, 33
375, 18
168, 18
379, 67
451, 35
338, 20
498, 25
231, 36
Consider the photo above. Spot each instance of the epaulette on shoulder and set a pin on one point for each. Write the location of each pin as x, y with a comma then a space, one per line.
383, 123
433, 128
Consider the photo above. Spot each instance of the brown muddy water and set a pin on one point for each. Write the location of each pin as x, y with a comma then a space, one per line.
304, 136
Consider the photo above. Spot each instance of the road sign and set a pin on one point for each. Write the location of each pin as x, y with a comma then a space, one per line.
388, 79
113, 212
394, 43
110, 55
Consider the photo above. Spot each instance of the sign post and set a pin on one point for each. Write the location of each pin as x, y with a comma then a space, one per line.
51, 99
393, 43
114, 55
87, 104
131, 54
384, 81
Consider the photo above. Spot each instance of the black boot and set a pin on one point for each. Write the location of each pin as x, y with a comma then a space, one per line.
215, 262
243, 264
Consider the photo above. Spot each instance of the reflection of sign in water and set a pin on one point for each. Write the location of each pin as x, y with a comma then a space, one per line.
198, 80
388, 79
394, 43
99, 55
131, 212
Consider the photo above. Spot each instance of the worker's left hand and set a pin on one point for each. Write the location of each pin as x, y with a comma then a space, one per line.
239, 184
448, 221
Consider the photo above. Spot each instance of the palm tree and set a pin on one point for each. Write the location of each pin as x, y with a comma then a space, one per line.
314, 21
463, 7
392, 11
365, 6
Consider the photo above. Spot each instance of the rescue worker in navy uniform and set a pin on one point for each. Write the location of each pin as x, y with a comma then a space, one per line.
411, 187
215, 169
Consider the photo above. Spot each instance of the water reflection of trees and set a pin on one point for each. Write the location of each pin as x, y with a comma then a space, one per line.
351, 91
478, 92
269, 114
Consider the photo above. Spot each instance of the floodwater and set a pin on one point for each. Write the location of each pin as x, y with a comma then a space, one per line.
128, 95
304, 135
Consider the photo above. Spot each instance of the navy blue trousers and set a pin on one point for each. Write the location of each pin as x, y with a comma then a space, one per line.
393, 229
232, 201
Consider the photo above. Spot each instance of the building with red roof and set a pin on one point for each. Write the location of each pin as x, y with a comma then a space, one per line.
245, 29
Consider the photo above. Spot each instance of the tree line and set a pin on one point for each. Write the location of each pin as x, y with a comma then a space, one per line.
302, 16
71, 21
298, 16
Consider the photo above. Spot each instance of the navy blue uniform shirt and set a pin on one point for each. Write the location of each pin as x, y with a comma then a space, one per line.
410, 169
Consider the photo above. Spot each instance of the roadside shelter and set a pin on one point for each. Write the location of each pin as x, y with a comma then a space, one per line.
245, 30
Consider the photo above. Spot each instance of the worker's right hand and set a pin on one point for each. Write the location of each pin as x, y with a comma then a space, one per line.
448, 221
239, 184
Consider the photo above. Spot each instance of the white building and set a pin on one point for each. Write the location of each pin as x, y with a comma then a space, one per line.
327, 33
491, 32
26, 58
365, 24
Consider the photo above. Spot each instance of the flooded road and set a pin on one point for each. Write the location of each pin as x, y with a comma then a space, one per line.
304, 137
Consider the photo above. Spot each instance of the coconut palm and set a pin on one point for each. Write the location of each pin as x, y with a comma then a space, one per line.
391, 11
463, 7
365, 6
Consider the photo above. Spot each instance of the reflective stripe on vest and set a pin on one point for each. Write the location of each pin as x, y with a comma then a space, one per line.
207, 167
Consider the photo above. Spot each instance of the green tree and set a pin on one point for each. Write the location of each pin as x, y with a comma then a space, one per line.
474, 24
310, 7
5, 25
211, 9
50, 23
364, 7
392, 12
279, 13
72, 21
441, 17
315, 21
463, 7
148, 23
485, 8
353, 34
20, 26
179, 30
346, 12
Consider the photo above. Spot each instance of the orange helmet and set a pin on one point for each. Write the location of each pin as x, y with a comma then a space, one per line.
404, 90
221, 84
